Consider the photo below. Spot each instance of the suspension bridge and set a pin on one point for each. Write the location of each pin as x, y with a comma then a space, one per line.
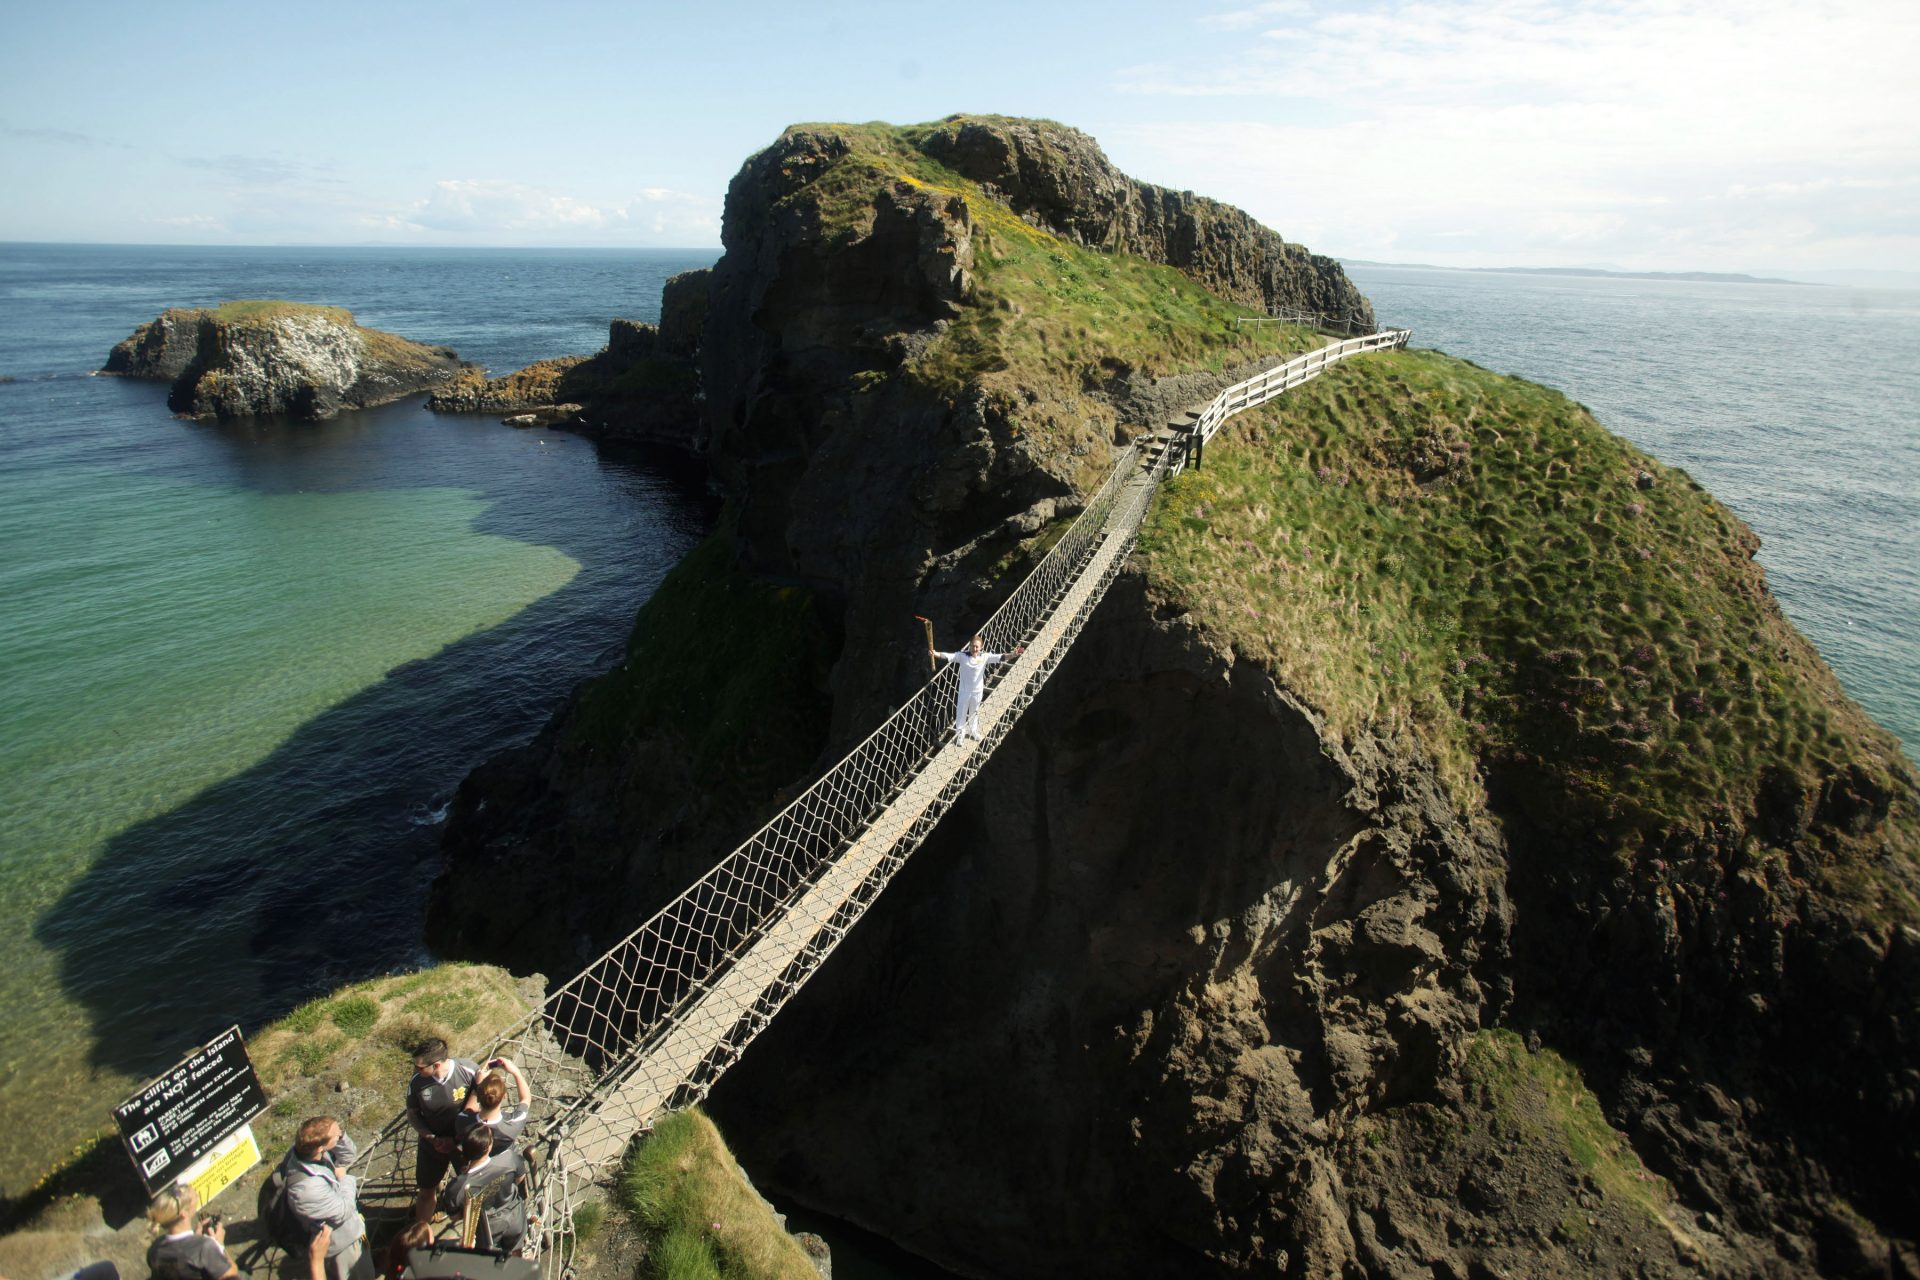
652, 1024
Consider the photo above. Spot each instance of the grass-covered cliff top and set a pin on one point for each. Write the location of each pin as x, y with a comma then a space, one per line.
1473, 563
699, 1215
389, 349
346, 1054
259, 312
1045, 310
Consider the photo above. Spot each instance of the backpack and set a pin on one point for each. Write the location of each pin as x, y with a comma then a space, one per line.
277, 1221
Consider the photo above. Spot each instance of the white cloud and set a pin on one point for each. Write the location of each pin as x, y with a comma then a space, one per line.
474, 208
201, 222
475, 204
1625, 126
1250, 16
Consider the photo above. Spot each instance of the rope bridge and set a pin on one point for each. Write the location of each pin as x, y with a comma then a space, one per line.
651, 1025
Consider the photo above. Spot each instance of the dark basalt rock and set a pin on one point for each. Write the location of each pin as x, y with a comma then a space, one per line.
642, 386
161, 348
1059, 179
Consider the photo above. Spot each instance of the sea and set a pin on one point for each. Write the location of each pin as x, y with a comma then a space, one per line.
243, 667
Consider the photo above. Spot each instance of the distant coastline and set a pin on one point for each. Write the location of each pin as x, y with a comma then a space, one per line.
1696, 277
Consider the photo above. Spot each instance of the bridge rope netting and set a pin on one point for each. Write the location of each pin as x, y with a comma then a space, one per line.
652, 1024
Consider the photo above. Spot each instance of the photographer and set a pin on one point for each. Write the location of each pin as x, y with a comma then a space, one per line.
185, 1251
487, 1106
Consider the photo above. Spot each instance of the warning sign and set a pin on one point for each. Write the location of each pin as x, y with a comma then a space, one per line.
221, 1167
186, 1113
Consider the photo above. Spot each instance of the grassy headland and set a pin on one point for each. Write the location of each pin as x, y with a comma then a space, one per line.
260, 312
1046, 321
1472, 563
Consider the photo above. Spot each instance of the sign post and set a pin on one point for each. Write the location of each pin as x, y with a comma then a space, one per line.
190, 1124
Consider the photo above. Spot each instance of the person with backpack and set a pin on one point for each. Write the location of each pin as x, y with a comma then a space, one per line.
496, 1184
186, 1250
319, 1199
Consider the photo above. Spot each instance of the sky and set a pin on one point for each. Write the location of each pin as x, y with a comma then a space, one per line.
1765, 136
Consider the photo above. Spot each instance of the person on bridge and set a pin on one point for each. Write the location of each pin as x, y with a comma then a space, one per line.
973, 662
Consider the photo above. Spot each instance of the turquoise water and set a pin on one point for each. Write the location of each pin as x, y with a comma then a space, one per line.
244, 666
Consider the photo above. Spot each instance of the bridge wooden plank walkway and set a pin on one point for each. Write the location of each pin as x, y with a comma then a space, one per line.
663, 1066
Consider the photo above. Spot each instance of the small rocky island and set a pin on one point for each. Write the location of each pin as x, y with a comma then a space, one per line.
265, 356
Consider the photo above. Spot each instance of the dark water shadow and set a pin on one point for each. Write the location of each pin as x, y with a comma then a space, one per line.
310, 869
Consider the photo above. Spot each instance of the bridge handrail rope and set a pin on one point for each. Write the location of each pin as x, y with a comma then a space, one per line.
650, 1025
1268, 383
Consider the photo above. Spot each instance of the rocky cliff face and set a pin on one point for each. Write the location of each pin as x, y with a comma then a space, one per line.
1220, 968
161, 348
643, 385
1058, 178
259, 358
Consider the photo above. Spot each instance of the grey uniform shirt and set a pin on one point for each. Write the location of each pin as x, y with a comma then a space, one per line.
433, 1105
506, 1130
321, 1196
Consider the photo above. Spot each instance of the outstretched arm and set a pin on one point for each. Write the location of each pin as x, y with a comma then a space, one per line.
519, 1079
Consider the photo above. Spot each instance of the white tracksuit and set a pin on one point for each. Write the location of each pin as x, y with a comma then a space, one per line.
972, 686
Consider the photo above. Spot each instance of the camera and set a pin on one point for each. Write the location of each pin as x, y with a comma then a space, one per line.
208, 1221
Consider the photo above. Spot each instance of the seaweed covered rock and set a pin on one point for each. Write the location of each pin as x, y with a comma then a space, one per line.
255, 358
